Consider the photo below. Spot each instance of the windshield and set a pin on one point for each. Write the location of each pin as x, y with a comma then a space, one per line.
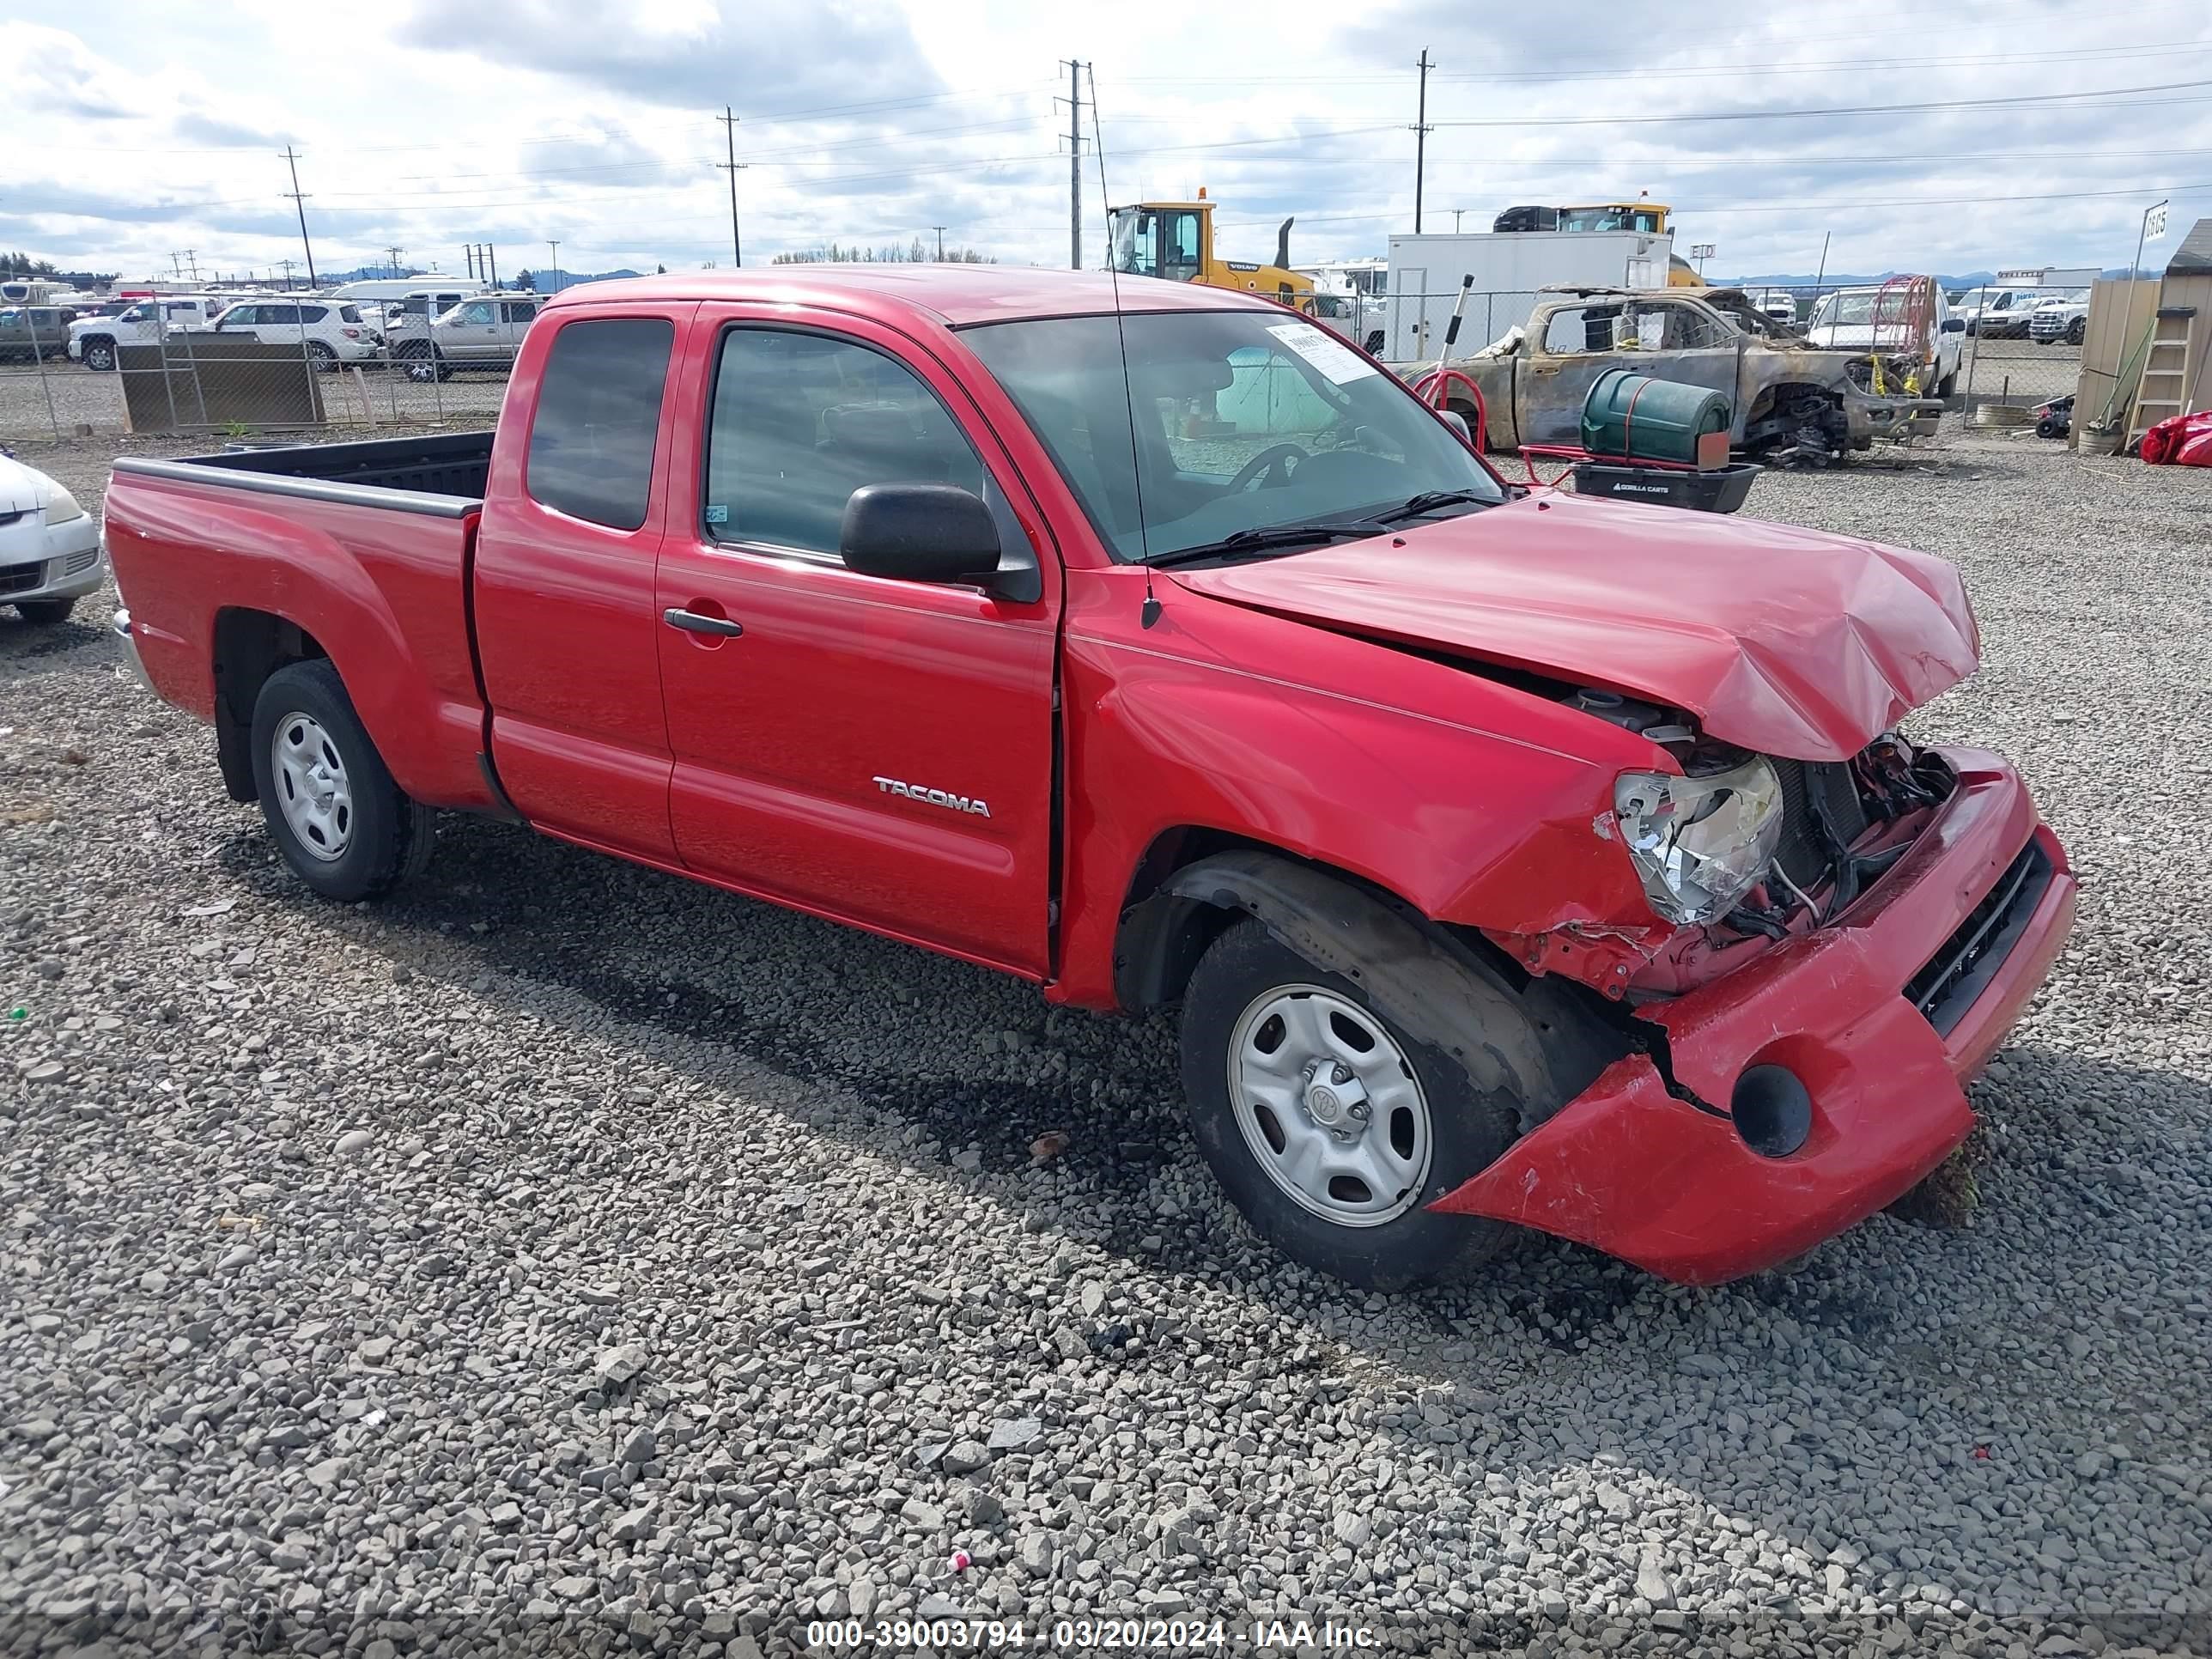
1848, 309
1242, 420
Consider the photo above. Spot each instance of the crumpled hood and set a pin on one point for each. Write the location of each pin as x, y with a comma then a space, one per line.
1792, 642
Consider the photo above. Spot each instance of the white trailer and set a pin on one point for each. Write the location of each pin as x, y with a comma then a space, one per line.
1508, 268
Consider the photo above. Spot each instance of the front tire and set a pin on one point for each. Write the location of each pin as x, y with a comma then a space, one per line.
2077, 331
99, 355
45, 613
1326, 1125
346, 829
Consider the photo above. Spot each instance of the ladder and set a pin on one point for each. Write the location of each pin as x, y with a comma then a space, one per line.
2163, 389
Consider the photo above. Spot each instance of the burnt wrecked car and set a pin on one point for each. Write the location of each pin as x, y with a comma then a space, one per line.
1790, 400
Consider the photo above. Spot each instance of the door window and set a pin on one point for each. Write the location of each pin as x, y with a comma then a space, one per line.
598, 420
1179, 247
801, 421
519, 311
1581, 328
238, 317
479, 311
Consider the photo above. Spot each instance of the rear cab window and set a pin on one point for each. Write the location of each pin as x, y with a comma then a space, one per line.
596, 422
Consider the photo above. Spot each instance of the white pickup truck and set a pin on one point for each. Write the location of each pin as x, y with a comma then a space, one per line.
93, 340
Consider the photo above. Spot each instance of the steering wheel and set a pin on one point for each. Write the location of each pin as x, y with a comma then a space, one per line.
1273, 463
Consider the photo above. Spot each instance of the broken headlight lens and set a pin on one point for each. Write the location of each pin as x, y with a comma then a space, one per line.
1699, 844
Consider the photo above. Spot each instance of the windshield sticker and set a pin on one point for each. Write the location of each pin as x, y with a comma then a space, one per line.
1336, 360
717, 514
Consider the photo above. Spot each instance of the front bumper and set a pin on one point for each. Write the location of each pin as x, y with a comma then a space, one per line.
1869, 417
66, 561
1637, 1171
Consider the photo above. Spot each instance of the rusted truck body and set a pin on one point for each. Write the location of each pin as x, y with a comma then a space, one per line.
1792, 400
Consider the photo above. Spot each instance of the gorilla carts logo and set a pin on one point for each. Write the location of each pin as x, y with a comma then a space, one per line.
952, 803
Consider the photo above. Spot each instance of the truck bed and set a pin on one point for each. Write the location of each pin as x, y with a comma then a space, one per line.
445, 469
364, 548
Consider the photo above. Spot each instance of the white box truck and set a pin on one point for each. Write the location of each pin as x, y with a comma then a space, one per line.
1508, 269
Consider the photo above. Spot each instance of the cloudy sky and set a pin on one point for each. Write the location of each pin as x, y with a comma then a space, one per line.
1946, 135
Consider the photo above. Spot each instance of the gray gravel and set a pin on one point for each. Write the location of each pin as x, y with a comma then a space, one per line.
565, 1258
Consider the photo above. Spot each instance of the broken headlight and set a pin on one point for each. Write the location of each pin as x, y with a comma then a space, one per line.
1699, 844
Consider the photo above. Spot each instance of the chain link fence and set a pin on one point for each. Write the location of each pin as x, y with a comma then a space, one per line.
239, 364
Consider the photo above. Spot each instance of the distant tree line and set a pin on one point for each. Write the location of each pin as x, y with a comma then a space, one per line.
916, 253
20, 264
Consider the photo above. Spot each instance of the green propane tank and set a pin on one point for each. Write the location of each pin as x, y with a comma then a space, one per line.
1637, 418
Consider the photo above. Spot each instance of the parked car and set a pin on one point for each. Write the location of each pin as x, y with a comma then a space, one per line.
28, 333
2060, 316
485, 333
50, 556
1999, 314
1513, 857
328, 332
1780, 304
1790, 399
1867, 318
408, 319
93, 340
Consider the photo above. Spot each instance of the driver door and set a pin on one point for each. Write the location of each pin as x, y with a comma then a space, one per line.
874, 749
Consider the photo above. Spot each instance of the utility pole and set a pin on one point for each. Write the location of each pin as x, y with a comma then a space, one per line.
1421, 138
733, 167
192, 262
469, 257
300, 202
395, 252
939, 229
555, 246
1456, 213
490, 265
287, 265
1074, 165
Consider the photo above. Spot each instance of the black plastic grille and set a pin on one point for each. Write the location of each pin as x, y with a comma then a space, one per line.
21, 578
1956, 975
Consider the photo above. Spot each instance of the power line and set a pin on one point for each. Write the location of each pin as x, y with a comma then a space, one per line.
300, 202
1927, 106
1421, 131
734, 166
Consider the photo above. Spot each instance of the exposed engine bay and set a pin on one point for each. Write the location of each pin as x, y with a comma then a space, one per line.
1746, 847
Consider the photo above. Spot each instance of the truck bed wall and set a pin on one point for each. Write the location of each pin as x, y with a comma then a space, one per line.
381, 585
434, 463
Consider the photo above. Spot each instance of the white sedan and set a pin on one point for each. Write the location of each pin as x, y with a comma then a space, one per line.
50, 551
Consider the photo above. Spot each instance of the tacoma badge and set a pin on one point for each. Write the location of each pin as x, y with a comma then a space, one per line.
935, 797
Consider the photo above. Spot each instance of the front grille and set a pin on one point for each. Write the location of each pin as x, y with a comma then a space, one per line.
1808, 789
1956, 975
21, 578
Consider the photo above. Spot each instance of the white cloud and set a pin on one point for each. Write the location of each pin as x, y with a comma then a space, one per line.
449, 122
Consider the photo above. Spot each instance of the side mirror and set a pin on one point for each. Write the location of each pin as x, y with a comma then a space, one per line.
919, 532
1457, 423
1955, 325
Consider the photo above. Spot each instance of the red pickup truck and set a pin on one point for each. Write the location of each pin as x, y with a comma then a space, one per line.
1514, 858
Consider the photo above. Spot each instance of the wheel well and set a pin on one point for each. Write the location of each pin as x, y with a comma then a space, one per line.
1162, 935
249, 646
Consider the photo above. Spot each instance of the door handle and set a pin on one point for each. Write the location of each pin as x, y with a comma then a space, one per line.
692, 622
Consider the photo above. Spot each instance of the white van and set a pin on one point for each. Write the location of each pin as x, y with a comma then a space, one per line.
379, 289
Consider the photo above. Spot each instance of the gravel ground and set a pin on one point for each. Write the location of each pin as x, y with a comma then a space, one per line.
563, 1258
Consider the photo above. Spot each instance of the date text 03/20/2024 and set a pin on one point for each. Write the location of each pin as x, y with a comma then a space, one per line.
1151, 1635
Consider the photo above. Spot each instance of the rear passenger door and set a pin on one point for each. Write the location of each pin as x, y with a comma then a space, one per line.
874, 749
566, 627
515, 317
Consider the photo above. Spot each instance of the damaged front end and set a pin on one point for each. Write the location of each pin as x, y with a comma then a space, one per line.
1841, 945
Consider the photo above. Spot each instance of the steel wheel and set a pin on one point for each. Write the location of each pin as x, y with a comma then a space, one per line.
311, 789
1330, 1108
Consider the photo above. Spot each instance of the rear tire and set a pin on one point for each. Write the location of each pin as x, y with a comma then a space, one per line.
1439, 1128
45, 613
324, 360
345, 828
